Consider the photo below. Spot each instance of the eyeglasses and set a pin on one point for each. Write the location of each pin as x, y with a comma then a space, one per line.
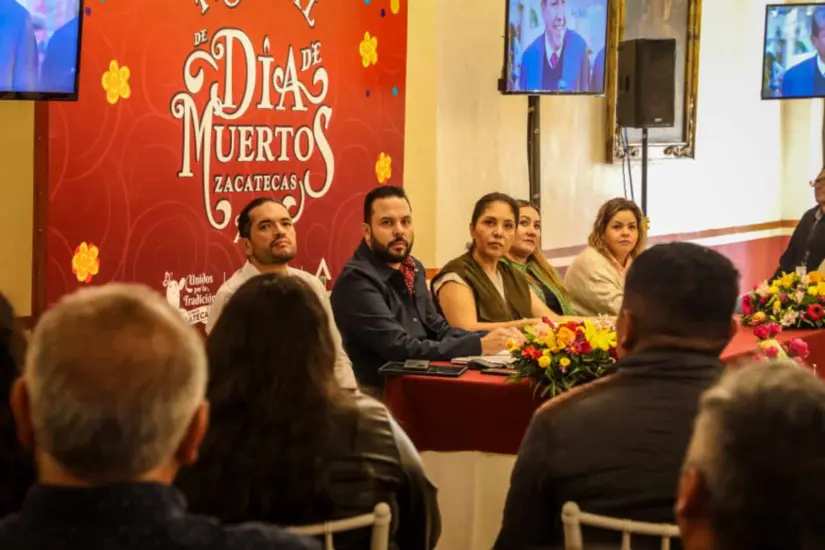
816, 182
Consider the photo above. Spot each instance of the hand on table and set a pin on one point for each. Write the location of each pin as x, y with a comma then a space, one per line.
497, 340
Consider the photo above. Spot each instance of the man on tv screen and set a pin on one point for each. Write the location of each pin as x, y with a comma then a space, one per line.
59, 70
557, 60
18, 49
807, 79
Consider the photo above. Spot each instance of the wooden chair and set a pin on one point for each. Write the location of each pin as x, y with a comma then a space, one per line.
379, 519
573, 518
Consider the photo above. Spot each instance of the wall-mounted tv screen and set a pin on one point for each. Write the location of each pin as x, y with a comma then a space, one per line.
793, 65
39, 49
555, 47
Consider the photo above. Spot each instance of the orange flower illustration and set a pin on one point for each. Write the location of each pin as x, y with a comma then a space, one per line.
369, 50
116, 82
383, 168
395, 5
85, 262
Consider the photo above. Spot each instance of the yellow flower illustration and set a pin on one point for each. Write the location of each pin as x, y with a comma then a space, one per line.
395, 5
116, 83
85, 262
369, 50
544, 361
383, 168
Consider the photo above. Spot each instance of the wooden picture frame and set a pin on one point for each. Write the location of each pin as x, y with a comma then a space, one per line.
679, 19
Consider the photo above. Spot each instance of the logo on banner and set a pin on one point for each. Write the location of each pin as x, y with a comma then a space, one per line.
219, 115
190, 295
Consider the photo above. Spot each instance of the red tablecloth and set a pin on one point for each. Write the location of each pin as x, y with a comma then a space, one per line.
480, 412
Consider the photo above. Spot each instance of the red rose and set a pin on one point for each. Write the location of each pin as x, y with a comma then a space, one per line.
531, 352
798, 348
763, 300
815, 312
747, 305
762, 332
772, 352
775, 329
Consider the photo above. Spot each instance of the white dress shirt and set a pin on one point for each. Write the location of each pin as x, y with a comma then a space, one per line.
549, 50
343, 365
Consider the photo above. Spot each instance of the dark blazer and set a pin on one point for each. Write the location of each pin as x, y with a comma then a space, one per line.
380, 321
18, 49
597, 77
799, 79
794, 255
616, 448
59, 71
575, 64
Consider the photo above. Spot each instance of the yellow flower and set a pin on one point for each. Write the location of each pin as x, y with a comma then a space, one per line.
116, 83
813, 290
383, 168
821, 288
544, 361
815, 277
759, 316
85, 262
777, 305
788, 280
773, 289
564, 362
604, 340
395, 6
369, 50
513, 349
565, 337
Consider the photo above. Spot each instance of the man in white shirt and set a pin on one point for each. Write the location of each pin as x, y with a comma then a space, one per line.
268, 237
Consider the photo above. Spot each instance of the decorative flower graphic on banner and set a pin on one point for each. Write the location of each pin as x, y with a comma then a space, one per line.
85, 262
369, 50
395, 6
116, 83
383, 168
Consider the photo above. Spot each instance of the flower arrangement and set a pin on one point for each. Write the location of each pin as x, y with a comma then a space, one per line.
771, 348
556, 357
793, 300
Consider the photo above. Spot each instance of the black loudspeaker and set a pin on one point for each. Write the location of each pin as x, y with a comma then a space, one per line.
646, 91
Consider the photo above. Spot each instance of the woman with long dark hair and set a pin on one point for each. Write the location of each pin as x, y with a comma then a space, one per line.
287, 445
16, 466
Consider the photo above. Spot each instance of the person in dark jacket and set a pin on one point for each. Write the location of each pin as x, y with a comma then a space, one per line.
616, 447
16, 464
807, 245
381, 302
287, 444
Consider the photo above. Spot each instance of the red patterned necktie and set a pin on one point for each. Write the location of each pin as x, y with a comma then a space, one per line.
554, 60
408, 271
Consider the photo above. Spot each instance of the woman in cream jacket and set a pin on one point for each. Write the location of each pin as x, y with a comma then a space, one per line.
595, 279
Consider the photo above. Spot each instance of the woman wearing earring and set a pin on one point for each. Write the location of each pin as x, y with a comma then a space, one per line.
595, 279
478, 291
525, 257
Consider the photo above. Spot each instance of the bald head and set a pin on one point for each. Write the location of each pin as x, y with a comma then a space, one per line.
114, 378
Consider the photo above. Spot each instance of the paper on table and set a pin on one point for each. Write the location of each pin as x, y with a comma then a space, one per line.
500, 359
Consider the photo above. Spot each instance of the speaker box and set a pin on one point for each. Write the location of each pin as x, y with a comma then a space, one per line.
646, 91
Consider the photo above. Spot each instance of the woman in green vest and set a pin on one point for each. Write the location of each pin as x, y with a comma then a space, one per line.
525, 257
479, 291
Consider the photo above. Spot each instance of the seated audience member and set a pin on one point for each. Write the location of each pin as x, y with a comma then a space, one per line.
381, 302
18, 49
807, 245
478, 291
595, 279
112, 402
287, 444
615, 447
268, 236
525, 257
16, 464
754, 476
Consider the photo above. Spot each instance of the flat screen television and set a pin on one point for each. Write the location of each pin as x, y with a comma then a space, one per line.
555, 47
40, 49
793, 64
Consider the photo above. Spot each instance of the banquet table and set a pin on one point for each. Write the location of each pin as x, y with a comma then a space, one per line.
468, 431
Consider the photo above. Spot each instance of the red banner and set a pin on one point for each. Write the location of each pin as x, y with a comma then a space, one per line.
190, 108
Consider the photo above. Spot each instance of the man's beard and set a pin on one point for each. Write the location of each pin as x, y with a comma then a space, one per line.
384, 253
268, 257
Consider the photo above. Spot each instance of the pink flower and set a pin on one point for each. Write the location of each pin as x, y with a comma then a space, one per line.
772, 352
775, 329
798, 348
747, 305
762, 332
582, 347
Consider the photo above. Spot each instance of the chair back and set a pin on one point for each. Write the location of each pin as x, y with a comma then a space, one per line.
379, 519
573, 519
